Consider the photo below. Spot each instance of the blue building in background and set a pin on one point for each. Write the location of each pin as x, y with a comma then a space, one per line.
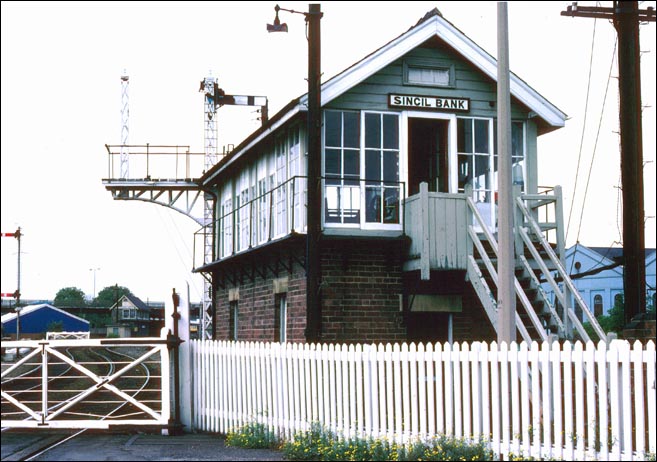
597, 272
36, 320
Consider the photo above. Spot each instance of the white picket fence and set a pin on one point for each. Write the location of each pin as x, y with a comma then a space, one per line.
570, 401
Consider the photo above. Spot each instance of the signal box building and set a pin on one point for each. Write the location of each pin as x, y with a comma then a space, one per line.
408, 191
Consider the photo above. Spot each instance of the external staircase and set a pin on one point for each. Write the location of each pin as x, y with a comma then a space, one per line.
538, 262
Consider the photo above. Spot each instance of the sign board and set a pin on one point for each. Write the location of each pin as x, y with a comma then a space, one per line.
436, 103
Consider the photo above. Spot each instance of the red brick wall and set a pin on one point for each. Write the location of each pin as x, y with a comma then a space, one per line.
361, 289
256, 303
361, 286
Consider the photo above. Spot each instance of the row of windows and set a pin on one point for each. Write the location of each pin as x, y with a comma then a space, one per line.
133, 313
265, 201
599, 307
280, 319
362, 172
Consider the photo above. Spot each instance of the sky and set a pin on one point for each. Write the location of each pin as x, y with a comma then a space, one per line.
61, 102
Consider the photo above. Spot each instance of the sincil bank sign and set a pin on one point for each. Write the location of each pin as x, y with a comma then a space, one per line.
436, 103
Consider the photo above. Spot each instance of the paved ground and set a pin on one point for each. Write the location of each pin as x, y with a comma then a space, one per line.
18, 445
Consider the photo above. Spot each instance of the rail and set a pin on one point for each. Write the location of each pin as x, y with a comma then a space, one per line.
152, 162
348, 202
529, 309
561, 295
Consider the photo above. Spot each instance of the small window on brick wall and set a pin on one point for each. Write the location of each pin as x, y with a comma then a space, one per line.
233, 321
280, 318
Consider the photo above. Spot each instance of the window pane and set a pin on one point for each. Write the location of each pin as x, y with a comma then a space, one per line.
517, 145
518, 172
465, 170
372, 130
391, 210
481, 172
428, 76
333, 128
351, 162
464, 135
390, 131
351, 129
333, 162
372, 166
495, 136
373, 204
481, 136
390, 166
351, 166
351, 204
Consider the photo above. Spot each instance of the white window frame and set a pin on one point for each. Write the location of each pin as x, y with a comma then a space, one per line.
490, 173
281, 300
226, 223
234, 315
431, 64
341, 185
400, 178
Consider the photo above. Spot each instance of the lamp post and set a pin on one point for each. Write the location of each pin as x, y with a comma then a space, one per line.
94, 271
313, 235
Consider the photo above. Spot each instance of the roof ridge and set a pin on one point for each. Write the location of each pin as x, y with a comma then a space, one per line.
428, 15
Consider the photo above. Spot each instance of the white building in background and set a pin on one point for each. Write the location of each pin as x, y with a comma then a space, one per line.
600, 289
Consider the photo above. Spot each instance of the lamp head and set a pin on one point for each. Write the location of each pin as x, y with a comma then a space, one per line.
277, 26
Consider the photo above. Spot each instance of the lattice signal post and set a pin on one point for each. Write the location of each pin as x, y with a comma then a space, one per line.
179, 190
214, 98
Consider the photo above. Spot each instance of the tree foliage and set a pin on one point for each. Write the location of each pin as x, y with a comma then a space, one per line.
55, 326
70, 297
108, 296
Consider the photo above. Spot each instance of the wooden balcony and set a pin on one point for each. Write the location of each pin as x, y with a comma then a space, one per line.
437, 224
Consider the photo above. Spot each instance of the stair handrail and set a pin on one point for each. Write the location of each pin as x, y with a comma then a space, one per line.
561, 328
529, 220
529, 309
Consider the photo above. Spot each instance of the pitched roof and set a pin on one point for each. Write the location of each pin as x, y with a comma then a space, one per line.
136, 301
616, 253
607, 255
32, 308
431, 25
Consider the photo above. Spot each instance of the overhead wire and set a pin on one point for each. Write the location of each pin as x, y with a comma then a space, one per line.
595, 145
176, 246
581, 142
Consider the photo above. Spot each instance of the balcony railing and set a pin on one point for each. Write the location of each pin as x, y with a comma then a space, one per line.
270, 216
150, 162
365, 203
348, 203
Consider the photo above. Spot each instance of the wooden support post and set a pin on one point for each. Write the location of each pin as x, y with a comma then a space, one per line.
425, 261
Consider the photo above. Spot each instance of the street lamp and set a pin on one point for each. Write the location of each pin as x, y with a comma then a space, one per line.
313, 255
94, 271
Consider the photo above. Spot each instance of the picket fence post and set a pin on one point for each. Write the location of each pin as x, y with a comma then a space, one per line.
570, 401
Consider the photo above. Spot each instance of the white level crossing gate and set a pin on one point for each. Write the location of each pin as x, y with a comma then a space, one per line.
86, 383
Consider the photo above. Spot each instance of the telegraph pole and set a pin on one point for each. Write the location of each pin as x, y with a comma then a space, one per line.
626, 16
506, 263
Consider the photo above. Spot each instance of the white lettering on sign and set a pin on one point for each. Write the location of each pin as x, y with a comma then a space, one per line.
429, 102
